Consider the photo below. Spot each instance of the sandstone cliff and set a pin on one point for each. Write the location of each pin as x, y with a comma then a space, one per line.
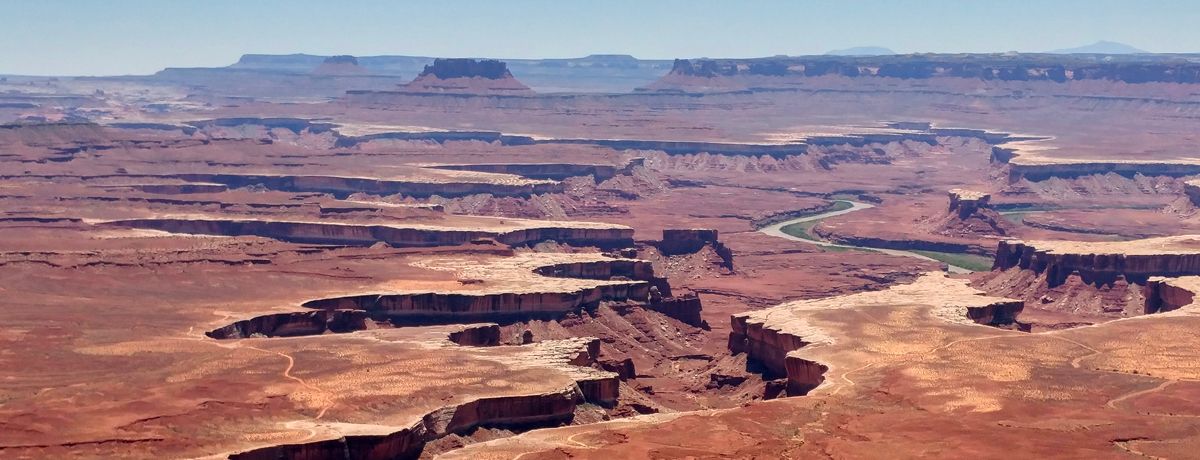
394, 235
1101, 263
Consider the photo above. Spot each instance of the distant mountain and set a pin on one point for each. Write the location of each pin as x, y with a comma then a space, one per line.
862, 51
1101, 47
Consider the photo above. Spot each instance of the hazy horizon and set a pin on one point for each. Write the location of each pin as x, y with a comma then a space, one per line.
142, 37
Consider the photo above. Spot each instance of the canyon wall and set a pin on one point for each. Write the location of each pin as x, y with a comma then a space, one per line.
768, 347
1167, 294
1034, 170
343, 186
366, 235
434, 307
1095, 266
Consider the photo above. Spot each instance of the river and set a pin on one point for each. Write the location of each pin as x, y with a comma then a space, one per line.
777, 231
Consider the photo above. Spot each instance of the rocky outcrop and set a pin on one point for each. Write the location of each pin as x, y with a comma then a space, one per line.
771, 349
803, 375
1002, 313
689, 241
686, 241
1192, 189
1167, 294
766, 346
471, 76
965, 203
685, 308
477, 335
1102, 263
366, 235
970, 214
295, 324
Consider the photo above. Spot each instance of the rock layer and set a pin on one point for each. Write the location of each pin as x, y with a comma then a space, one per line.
1103, 262
396, 236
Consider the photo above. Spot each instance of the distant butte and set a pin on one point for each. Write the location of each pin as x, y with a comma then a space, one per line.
467, 76
340, 66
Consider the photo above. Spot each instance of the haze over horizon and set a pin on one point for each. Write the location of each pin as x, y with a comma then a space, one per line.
142, 37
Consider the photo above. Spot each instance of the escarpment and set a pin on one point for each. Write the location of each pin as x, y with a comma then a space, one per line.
689, 74
344, 185
294, 324
1101, 263
468, 307
364, 234
554, 171
1033, 168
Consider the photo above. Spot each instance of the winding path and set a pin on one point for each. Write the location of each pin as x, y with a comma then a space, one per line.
777, 231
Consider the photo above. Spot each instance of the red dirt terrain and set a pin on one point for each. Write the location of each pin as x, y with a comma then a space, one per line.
209, 263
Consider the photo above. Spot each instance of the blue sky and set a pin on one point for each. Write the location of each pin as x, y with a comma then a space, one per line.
78, 37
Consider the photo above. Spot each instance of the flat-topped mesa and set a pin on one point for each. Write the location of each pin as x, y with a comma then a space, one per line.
1102, 263
1035, 167
343, 65
467, 76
